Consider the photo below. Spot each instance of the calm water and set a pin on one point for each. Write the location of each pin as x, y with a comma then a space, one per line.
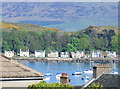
76, 25
63, 67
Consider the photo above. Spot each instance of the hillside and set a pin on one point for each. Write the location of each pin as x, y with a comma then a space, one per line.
8, 26
19, 11
100, 29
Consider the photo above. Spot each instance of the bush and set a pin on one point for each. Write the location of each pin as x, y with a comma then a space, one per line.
95, 86
44, 85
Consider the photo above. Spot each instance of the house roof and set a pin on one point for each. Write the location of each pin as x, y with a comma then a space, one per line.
108, 81
24, 51
13, 69
39, 51
54, 51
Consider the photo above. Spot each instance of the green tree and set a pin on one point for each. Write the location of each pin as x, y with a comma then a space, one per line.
114, 43
84, 43
5, 46
70, 48
75, 43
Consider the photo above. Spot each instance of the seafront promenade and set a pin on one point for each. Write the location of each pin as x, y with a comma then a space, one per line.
46, 59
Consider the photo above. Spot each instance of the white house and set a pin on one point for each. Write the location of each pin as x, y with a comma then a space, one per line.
95, 54
77, 54
53, 53
9, 53
39, 53
111, 54
64, 54
24, 53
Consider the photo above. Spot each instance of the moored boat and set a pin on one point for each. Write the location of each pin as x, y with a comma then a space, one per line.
77, 73
88, 71
58, 75
85, 78
48, 74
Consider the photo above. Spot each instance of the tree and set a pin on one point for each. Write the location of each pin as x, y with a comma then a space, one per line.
114, 43
5, 46
75, 43
84, 43
70, 48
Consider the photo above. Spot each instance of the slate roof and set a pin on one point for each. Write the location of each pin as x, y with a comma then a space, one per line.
109, 81
39, 51
13, 69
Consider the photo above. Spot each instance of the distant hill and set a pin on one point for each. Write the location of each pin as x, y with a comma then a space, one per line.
57, 11
8, 26
100, 29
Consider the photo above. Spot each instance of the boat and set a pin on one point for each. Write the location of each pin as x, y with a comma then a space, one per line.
114, 68
77, 73
46, 78
85, 78
115, 72
48, 74
89, 70
58, 75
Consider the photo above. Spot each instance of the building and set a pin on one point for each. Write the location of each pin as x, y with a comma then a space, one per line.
24, 53
111, 54
77, 54
100, 69
15, 74
39, 53
64, 54
96, 54
102, 75
9, 53
53, 54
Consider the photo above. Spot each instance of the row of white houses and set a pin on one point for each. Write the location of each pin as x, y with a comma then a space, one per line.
55, 54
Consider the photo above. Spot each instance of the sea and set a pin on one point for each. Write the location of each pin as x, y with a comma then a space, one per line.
66, 67
76, 24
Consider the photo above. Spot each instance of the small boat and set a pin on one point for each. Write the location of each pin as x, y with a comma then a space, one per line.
46, 78
114, 68
58, 75
85, 78
115, 72
88, 71
48, 74
77, 73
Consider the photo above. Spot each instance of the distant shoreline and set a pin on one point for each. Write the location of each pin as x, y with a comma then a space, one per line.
46, 59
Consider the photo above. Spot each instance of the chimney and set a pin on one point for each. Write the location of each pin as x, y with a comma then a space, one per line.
99, 69
64, 78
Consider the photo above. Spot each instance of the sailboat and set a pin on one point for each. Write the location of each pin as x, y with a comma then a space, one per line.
89, 70
77, 72
114, 71
48, 74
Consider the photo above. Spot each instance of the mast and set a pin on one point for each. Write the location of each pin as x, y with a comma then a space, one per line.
114, 67
48, 67
90, 62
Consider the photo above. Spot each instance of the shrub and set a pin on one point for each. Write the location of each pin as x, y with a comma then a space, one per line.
44, 85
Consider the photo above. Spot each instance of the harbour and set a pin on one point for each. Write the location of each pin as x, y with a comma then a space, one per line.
65, 67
